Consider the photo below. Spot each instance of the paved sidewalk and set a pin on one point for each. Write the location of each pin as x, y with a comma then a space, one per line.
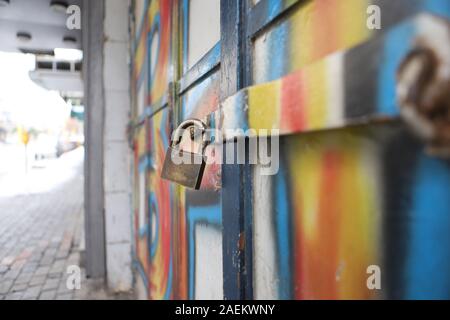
40, 234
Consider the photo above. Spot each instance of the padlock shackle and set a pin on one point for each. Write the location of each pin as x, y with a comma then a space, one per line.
178, 134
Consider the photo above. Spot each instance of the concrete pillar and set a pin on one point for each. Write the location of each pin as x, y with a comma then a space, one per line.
116, 153
107, 168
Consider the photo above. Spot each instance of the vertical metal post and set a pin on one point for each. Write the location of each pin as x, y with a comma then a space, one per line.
237, 234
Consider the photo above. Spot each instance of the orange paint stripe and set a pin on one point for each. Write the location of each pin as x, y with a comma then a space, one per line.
316, 259
324, 21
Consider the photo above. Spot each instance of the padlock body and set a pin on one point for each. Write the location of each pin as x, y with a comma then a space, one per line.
189, 173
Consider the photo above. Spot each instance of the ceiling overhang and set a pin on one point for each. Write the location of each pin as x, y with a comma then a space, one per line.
46, 26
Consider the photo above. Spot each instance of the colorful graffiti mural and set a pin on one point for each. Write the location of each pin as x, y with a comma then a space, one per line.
153, 206
319, 28
321, 95
355, 188
347, 200
170, 221
343, 199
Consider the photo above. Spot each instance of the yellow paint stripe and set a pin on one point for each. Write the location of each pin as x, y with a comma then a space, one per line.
264, 106
359, 218
352, 18
317, 95
305, 158
349, 23
302, 42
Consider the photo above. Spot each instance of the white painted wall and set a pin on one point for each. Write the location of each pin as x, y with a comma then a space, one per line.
116, 152
140, 289
208, 263
204, 28
139, 11
264, 259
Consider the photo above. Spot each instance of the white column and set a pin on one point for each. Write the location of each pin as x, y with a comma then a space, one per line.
116, 159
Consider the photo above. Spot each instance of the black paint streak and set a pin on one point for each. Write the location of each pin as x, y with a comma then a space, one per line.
361, 79
399, 164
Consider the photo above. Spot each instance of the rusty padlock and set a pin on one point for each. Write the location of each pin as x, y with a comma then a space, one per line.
189, 167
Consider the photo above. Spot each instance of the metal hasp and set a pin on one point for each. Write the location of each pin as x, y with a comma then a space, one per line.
423, 88
183, 167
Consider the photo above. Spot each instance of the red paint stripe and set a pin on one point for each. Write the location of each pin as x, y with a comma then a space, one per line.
293, 102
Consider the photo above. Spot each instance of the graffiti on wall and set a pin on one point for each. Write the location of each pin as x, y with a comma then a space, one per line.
344, 199
355, 188
175, 229
348, 199
153, 206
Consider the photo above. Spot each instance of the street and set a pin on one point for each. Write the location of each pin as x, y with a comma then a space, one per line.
40, 220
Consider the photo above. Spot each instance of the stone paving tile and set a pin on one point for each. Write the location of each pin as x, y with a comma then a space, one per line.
19, 287
29, 269
18, 264
37, 280
32, 293
3, 269
46, 261
62, 254
42, 271
65, 296
11, 275
5, 286
55, 275
14, 296
50, 284
63, 290
73, 259
58, 267
25, 254
35, 257
48, 295
23, 278
7, 261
